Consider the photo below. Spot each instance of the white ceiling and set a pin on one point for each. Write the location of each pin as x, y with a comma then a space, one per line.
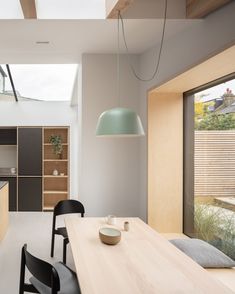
70, 38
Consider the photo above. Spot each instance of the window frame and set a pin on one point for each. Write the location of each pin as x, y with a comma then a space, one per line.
188, 152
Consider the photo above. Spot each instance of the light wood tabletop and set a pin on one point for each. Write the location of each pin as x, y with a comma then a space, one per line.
144, 262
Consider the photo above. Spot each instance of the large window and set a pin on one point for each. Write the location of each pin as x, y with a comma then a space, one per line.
209, 164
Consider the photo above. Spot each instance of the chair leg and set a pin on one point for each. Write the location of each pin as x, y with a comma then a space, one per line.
52, 244
22, 273
65, 243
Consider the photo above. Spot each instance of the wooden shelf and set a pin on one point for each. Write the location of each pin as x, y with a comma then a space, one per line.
61, 166
63, 132
51, 160
49, 144
51, 176
55, 192
48, 207
55, 188
23, 176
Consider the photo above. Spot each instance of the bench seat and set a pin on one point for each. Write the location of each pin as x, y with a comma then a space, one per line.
225, 276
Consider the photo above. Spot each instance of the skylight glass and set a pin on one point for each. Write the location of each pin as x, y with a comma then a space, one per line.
70, 9
5, 94
10, 9
43, 82
56, 9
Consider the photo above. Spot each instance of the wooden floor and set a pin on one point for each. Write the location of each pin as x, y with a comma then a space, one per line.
226, 276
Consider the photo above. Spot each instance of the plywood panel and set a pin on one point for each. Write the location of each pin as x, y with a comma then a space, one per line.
49, 152
50, 200
214, 68
55, 188
63, 132
61, 166
3, 211
201, 8
165, 149
114, 6
55, 183
28, 8
109, 4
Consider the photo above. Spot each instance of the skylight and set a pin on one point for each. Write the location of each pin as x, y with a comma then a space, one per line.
10, 9
43, 82
71, 9
56, 9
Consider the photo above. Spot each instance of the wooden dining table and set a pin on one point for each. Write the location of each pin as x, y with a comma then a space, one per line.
143, 262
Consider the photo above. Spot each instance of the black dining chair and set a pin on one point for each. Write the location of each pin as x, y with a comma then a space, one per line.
46, 279
64, 207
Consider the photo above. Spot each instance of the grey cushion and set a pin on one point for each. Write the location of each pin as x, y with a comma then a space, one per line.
68, 281
203, 253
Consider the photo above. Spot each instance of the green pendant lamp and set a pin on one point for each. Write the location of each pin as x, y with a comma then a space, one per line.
119, 121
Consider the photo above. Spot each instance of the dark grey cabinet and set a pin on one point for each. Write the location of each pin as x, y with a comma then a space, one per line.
12, 192
30, 151
30, 194
8, 136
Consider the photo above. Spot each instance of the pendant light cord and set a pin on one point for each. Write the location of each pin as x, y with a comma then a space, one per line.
118, 60
127, 49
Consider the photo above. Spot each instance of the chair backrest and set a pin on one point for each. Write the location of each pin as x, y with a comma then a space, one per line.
41, 270
69, 206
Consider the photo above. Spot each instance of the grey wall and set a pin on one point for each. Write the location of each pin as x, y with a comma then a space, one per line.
181, 52
110, 177
155, 9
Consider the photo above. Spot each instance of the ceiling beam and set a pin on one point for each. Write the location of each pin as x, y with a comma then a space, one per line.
119, 5
201, 8
28, 8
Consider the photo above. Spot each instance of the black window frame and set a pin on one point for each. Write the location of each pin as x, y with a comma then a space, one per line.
188, 152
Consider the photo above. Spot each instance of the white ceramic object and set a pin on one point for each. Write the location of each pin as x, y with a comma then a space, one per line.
126, 226
55, 172
13, 170
111, 219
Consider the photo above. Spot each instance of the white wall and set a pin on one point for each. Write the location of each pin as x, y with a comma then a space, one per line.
26, 113
8, 156
181, 52
110, 177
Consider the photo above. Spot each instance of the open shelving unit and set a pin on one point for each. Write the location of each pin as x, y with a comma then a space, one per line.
55, 188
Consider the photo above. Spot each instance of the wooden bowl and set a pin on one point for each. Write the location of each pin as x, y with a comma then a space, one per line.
110, 236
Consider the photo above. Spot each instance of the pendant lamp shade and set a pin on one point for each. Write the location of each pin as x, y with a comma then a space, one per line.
119, 122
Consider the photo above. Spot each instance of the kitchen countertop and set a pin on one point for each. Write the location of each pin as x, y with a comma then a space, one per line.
7, 175
2, 184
